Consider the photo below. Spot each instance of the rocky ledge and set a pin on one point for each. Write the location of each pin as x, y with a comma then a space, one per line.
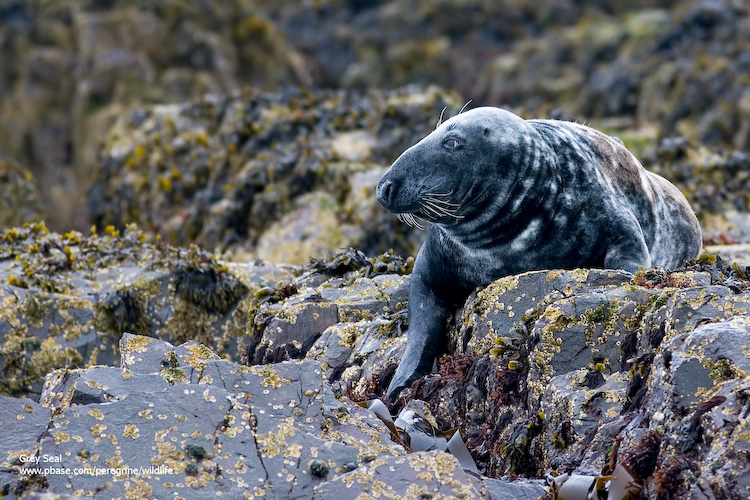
585, 374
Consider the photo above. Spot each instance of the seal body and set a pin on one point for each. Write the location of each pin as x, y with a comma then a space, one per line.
505, 195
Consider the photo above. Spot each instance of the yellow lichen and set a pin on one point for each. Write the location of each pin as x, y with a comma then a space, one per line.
271, 378
131, 431
60, 437
98, 429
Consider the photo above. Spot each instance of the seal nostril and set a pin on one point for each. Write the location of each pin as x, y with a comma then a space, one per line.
387, 190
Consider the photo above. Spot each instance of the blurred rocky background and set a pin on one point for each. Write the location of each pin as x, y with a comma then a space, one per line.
669, 77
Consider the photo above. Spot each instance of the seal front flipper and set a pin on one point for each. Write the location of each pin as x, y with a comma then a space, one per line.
427, 317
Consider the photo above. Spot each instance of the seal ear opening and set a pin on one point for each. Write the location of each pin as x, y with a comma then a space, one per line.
486, 131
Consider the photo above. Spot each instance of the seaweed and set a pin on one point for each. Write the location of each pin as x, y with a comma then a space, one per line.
345, 261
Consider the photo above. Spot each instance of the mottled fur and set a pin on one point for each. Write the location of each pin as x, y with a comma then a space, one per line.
520, 195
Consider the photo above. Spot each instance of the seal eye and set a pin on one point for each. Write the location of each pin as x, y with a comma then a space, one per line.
451, 143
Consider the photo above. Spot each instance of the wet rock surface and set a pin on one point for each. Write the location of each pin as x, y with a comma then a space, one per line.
574, 371
66, 299
180, 420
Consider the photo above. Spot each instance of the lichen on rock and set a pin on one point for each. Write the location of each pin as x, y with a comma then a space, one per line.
68, 298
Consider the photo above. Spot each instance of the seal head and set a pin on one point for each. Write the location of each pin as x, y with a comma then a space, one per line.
504, 195
437, 178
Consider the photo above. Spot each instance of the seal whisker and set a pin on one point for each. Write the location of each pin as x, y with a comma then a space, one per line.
426, 211
442, 203
440, 211
434, 193
410, 219
440, 120
462, 109
416, 222
429, 205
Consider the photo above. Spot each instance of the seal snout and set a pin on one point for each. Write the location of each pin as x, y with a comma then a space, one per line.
386, 193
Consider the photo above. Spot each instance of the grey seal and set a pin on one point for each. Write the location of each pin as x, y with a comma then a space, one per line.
504, 195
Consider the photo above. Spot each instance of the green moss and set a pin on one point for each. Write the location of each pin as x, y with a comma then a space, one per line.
36, 307
723, 369
171, 371
174, 375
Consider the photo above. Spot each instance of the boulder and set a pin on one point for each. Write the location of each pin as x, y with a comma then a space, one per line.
68, 298
20, 201
283, 176
181, 420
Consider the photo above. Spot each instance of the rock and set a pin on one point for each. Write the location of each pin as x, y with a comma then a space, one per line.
293, 330
311, 229
23, 422
73, 68
601, 370
20, 201
731, 253
719, 420
520, 490
685, 309
427, 474
178, 419
336, 319
284, 176
573, 373
505, 304
68, 298
235, 428
154, 57
689, 365
629, 68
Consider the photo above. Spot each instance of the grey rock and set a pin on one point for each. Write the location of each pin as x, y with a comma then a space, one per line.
685, 309
691, 364
292, 330
22, 423
68, 308
322, 314
218, 426
428, 473
107, 383
570, 398
600, 361
587, 328
518, 490
500, 309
